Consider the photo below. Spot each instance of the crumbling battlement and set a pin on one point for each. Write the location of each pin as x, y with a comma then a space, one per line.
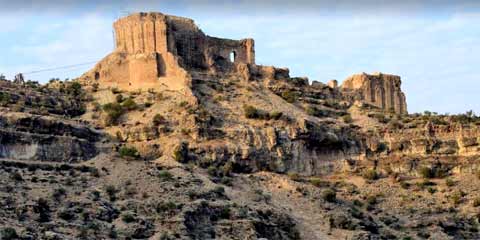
159, 51
156, 50
381, 90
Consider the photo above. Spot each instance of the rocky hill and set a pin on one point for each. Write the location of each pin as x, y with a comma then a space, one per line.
179, 135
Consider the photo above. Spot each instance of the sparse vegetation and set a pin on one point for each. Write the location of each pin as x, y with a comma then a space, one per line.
476, 202
449, 182
129, 104
114, 112
253, 113
8, 233
329, 195
371, 174
289, 96
432, 172
456, 197
165, 175
116, 90
128, 218
183, 104
111, 192
129, 152
347, 118
314, 111
180, 153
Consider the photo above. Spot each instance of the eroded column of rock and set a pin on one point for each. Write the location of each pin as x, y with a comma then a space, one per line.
378, 89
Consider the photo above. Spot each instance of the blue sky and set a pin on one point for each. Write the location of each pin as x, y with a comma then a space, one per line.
433, 45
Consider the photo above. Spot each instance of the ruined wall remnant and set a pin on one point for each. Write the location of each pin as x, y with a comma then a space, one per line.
378, 89
154, 50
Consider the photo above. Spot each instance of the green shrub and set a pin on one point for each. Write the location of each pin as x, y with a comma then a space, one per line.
372, 200
116, 90
313, 111
432, 172
456, 197
95, 87
4, 97
357, 203
183, 104
426, 172
111, 192
74, 88
59, 193
329, 195
275, 115
128, 218
476, 202
347, 118
431, 190
425, 183
16, 176
129, 104
251, 112
8, 233
219, 190
294, 177
180, 153
289, 96
165, 207
224, 212
119, 98
332, 103
42, 207
370, 174
114, 112
449, 182
404, 185
212, 171
128, 152
165, 175
158, 119
148, 104
317, 182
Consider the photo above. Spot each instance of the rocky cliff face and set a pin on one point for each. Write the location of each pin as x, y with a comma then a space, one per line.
29, 137
378, 89
36, 125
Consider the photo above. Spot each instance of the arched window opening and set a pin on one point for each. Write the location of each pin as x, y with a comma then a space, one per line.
233, 55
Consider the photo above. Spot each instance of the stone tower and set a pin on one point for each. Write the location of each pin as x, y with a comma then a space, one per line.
155, 50
378, 89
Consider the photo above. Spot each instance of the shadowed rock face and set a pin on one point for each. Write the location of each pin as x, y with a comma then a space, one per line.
28, 137
378, 89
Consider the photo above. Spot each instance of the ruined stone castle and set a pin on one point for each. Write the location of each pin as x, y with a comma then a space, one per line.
153, 50
158, 51
378, 89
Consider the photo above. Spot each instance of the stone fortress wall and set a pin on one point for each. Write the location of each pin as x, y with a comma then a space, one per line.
153, 50
378, 89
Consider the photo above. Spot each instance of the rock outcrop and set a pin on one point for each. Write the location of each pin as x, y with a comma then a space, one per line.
378, 89
35, 138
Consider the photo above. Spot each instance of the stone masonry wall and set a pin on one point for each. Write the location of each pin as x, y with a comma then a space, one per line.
378, 89
154, 50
